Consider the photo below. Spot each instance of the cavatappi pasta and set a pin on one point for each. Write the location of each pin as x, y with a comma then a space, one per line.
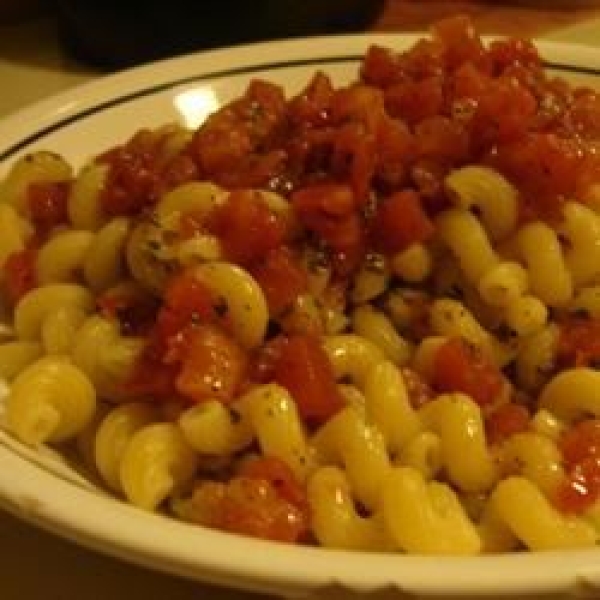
363, 317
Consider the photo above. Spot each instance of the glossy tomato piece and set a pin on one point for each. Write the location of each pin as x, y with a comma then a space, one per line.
579, 342
247, 228
313, 105
330, 211
381, 67
581, 488
280, 476
504, 113
399, 222
47, 204
303, 368
281, 278
213, 364
460, 41
20, 274
581, 442
189, 301
413, 101
460, 367
249, 506
507, 420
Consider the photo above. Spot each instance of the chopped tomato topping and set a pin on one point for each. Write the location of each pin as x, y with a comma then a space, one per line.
280, 476
414, 101
460, 41
189, 301
329, 210
400, 221
507, 420
281, 278
312, 106
19, 274
460, 367
581, 442
135, 310
581, 488
579, 342
303, 368
213, 365
47, 204
580, 447
247, 227
249, 506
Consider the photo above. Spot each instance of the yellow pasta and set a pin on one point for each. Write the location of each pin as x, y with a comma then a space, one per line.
63, 256
114, 434
335, 520
426, 517
347, 439
155, 462
458, 421
103, 265
487, 191
49, 401
36, 306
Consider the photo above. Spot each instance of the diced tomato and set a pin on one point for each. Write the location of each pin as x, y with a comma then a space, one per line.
583, 116
151, 376
507, 420
19, 274
189, 301
358, 103
425, 58
249, 506
581, 442
461, 42
580, 447
312, 105
354, 159
579, 342
441, 139
303, 368
213, 364
395, 153
460, 367
419, 391
280, 476
544, 167
330, 211
247, 228
47, 204
400, 221
581, 488
135, 310
413, 101
516, 51
281, 278
133, 175
380, 67
504, 113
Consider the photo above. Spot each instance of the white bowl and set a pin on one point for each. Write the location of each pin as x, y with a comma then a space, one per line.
42, 488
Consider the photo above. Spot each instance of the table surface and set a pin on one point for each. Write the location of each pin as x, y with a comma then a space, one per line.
33, 65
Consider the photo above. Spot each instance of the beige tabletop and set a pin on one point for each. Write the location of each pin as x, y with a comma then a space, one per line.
36, 565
